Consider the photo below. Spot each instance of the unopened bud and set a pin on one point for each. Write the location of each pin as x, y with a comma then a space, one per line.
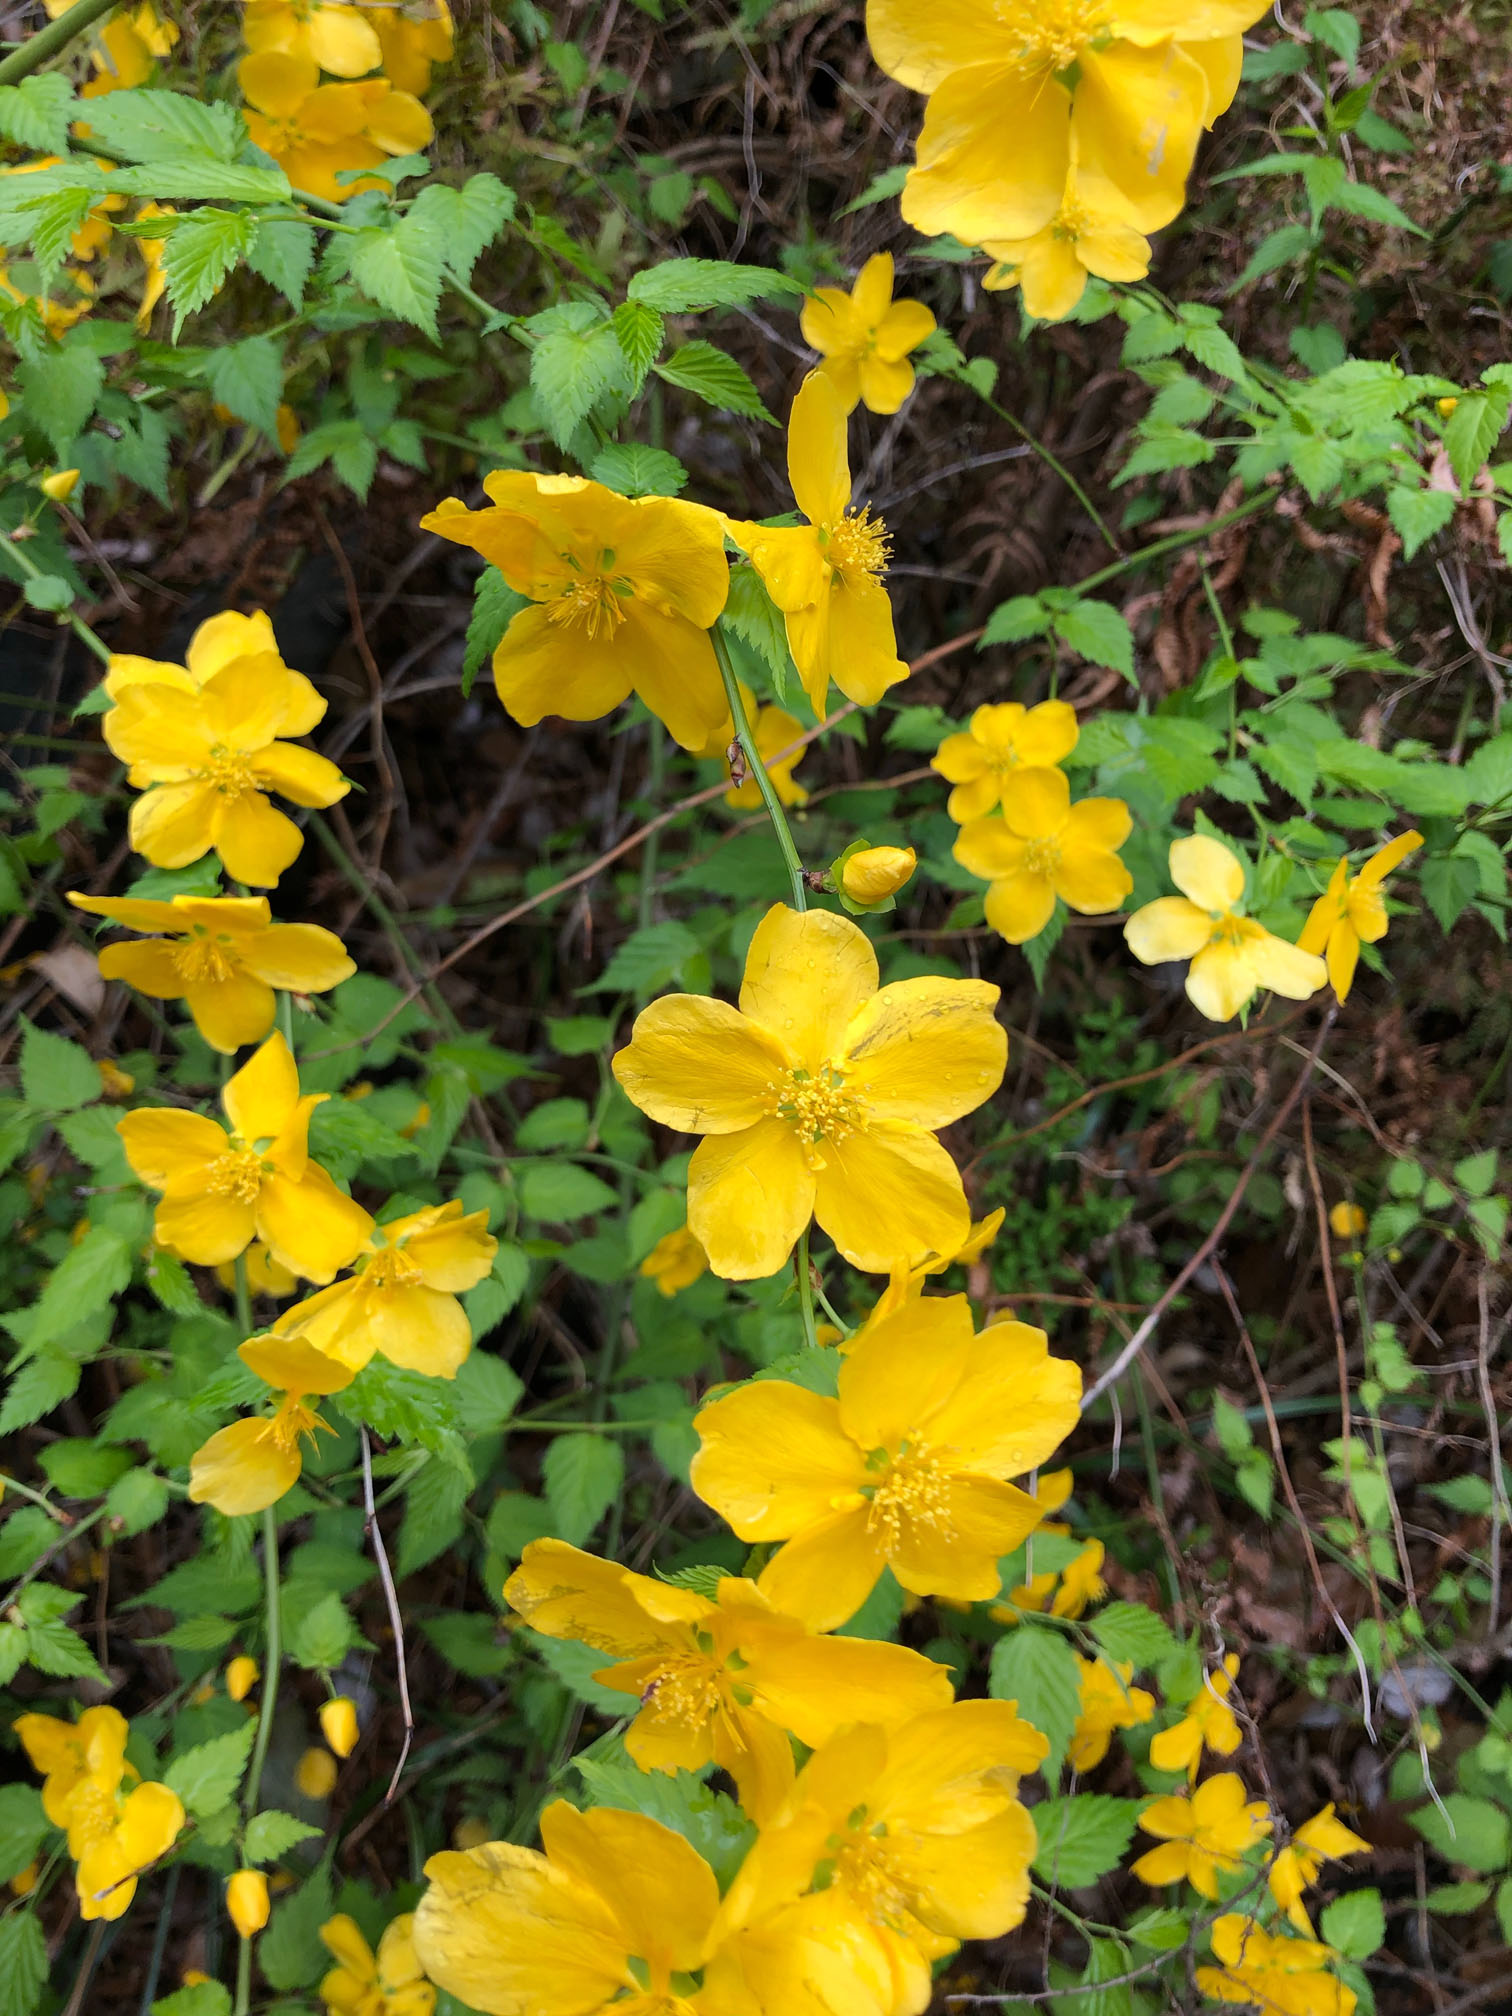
315, 1774
338, 1724
1347, 1221
247, 1901
1445, 407
241, 1677
877, 873
59, 485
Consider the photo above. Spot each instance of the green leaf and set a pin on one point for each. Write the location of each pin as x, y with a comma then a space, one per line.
56, 1076
1417, 514
136, 1501
1036, 1667
1471, 1832
715, 377
282, 253
187, 176
432, 1515
1098, 633
495, 606
290, 1952
138, 125
89, 1276
640, 333
1473, 431
24, 1539
1082, 1838
23, 1828
488, 1391
201, 1998
49, 592
755, 618
1011, 622
575, 364
1355, 1924
686, 286
582, 1475
206, 1778
23, 1963
272, 1834
247, 379
1453, 1899
77, 1466
636, 471
881, 189
36, 112
465, 221
200, 253
1131, 1631
1279, 248
559, 1193
60, 386
400, 266
1504, 1908
40, 1385
470, 1642
1449, 883
322, 1633
650, 959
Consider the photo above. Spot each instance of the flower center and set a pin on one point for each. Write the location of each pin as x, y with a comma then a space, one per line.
686, 1689
817, 1107
1042, 857
865, 1865
392, 1268
857, 544
915, 1487
238, 1174
1052, 34
292, 1420
229, 771
1071, 222
595, 604
201, 959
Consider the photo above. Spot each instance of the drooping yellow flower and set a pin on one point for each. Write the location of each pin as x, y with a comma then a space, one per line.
909, 1839
985, 761
1352, 911
1208, 1723
1232, 956
229, 958
412, 36
247, 1902
874, 873
1322, 1839
403, 1303
362, 1983
1095, 231
316, 1773
241, 1676
907, 1469
1281, 1976
1044, 847
818, 1097
723, 1679
68, 1754
1346, 1220
1108, 1701
675, 1262
316, 131
144, 1825
623, 593
331, 36
250, 1465
223, 1189
864, 337
1201, 1834
612, 1911
826, 576
338, 1724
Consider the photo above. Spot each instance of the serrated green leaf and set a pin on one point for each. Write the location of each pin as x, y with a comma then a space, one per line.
61, 386
1131, 1631
247, 379
207, 1777
282, 253
495, 606
466, 220
576, 363
146, 125
636, 471
88, 1276
322, 1633
1471, 1832
640, 332
1355, 1924
23, 1963
23, 1828
271, 1834
1082, 1838
36, 112
1417, 514
582, 1474
400, 266
1474, 428
199, 254
687, 286
1036, 1668
1097, 632
715, 377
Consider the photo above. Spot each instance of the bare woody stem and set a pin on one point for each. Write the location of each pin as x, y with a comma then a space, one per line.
36, 49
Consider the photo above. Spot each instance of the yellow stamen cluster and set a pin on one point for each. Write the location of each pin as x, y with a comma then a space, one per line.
858, 544
817, 1107
392, 1268
200, 960
1053, 32
916, 1488
595, 604
866, 1866
238, 1174
686, 1690
228, 772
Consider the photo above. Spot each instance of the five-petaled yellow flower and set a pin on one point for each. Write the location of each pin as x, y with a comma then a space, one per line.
1042, 847
1095, 230
1108, 1701
1352, 911
675, 1262
1232, 956
316, 131
1080, 1582
1201, 1834
902, 1840
413, 36
864, 337
818, 1097
623, 593
333, 37
69, 1753
142, 1828
985, 761
250, 1465
389, 1982
205, 747
1208, 1723
611, 1913
116, 1827
221, 1190
723, 1679
403, 1303
1322, 1839
228, 958
1280, 1976
826, 576
907, 1469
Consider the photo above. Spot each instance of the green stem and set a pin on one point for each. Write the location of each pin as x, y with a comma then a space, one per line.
49, 40
272, 1658
806, 1292
18, 552
243, 1296
1263, 500
243, 1977
758, 769
1052, 462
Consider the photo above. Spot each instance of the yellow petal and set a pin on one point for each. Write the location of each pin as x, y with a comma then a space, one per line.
137, 913
920, 46
231, 1013
826, 1572
884, 385
243, 1469
887, 1190
1343, 952
255, 841
903, 1369
992, 156
1221, 980
1207, 872
960, 759
342, 42
1013, 1405
904, 327
293, 1366
261, 1096
806, 975
1036, 801
977, 1881
1286, 969
700, 1065
171, 825
1019, 906
847, 638
774, 1459
164, 1146
750, 1194
400, 124
1392, 855
818, 460
662, 1891
565, 1593
421, 1329
208, 1230
310, 1226
304, 958
454, 1252
1169, 928
1051, 274
1139, 114
225, 637
987, 846
672, 666
925, 1050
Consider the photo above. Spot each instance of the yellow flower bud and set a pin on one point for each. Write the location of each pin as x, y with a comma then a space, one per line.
1446, 407
338, 1724
1347, 1221
114, 1082
247, 1901
59, 485
193, 1977
877, 873
24, 1881
241, 1677
315, 1774
470, 1833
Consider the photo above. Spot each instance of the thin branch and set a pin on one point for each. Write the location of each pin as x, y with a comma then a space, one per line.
391, 1597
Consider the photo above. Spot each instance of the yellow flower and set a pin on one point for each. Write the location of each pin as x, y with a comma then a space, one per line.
615, 1908
59, 484
24, 1881
247, 1902
218, 642
826, 576
1201, 1834
403, 1304
1095, 230
907, 1278
906, 1839
623, 592
221, 1190
333, 37
1232, 956
984, 762
907, 1469
69, 1754
316, 1773
1042, 847
1347, 1221
722, 1679
1322, 1839
1108, 1701
819, 1096
229, 959
140, 1828
152, 250
241, 1677
361, 1983
1208, 1721
875, 873
412, 37
865, 336
316, 131
1281, 1976
250, 1465
125, 50
212, 752
338, 1724
675, 1262
1081, 1582
1352, 911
